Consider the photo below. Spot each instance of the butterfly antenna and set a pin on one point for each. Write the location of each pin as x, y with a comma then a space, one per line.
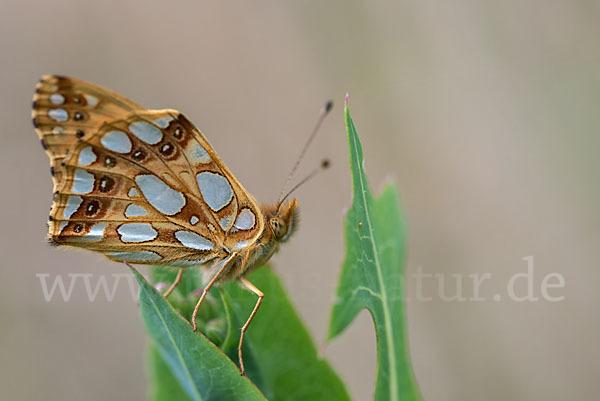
325, 163
324, 111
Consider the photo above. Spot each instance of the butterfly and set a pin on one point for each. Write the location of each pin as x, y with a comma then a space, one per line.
145, 187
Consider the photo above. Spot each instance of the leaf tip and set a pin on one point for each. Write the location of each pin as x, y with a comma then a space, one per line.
346, 99
135, 272
322, 349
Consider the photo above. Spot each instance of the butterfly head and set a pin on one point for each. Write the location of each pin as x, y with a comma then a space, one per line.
282, 222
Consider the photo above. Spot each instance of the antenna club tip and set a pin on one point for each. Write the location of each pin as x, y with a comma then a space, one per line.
346, 99
328, 106
325, 163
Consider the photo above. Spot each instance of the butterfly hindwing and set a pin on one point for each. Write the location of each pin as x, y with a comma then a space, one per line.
147, 187
66, 110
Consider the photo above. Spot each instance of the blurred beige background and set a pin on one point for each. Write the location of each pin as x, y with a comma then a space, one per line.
484, 113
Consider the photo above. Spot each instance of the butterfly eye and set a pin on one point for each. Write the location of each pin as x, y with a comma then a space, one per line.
278, 227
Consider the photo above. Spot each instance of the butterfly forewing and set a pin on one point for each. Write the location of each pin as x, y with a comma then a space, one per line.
240, 219
141, 186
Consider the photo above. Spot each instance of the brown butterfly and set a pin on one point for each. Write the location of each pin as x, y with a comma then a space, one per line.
145, 186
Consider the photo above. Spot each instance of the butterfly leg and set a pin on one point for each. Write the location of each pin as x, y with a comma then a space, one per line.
250, 287
175, 283
212, 281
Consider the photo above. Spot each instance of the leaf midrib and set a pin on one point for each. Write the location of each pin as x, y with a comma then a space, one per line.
386, 312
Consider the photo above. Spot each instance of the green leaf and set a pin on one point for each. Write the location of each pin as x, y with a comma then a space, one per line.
201, 369
284, 353
280, 357
372, 277
165, 386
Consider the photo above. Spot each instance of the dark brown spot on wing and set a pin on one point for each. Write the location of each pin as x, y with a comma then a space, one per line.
178, 133
77, 99
92, 208
139, 155
110, 162
106, 184
166, 149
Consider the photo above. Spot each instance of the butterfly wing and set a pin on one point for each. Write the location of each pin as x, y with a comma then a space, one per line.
145, 186
67, 109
